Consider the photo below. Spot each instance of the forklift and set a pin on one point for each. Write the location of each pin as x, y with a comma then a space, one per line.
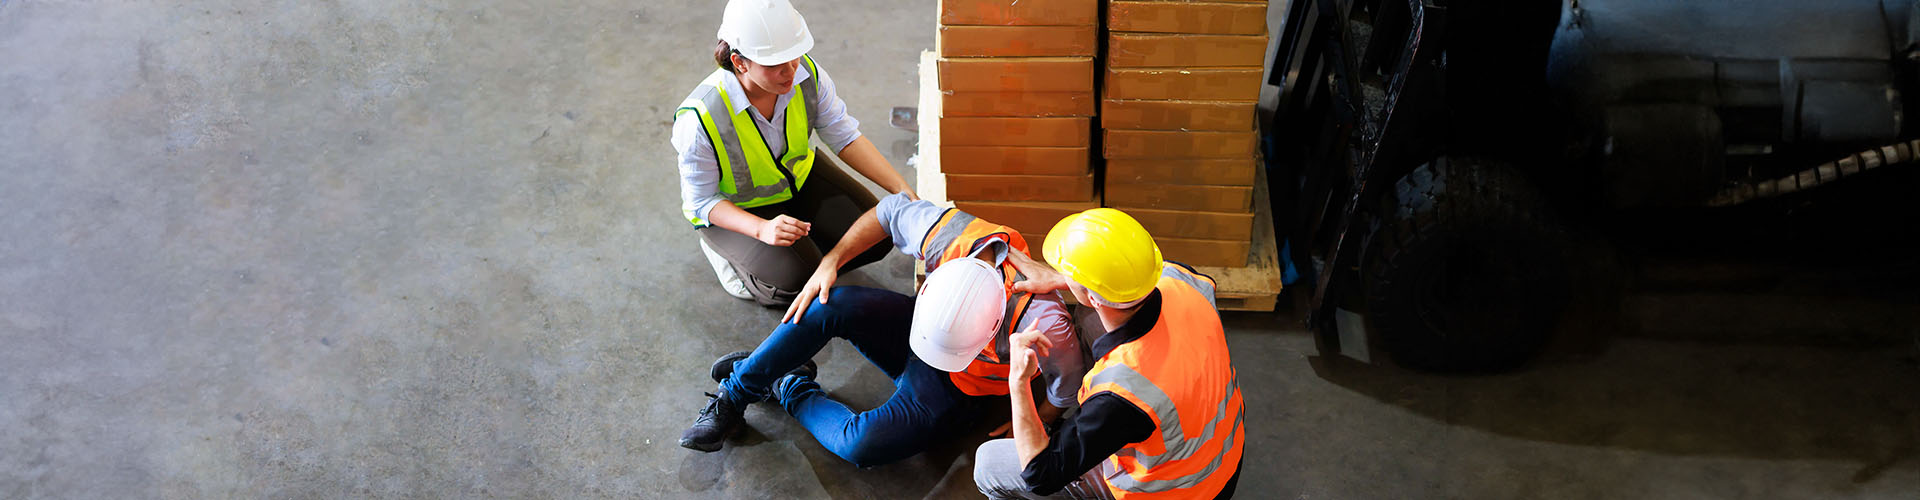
1443, 168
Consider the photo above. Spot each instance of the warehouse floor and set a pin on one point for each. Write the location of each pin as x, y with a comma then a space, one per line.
363, 248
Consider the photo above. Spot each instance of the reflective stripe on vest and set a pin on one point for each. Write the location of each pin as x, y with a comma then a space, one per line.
1173, 440
1181, 374
1200, 282
939, 238
957, 234
749, 175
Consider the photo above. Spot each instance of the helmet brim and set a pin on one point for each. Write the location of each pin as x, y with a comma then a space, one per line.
926, 349
784, 56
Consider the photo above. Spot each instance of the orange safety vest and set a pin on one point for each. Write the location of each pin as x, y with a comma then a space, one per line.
1179, 373
957, 234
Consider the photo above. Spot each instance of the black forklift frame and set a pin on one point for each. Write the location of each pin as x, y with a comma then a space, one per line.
1352, 102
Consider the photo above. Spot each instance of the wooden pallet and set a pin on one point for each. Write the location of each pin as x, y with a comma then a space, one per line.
1255, 287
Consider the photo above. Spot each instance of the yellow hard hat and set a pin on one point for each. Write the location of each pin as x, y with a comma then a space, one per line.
1106, 251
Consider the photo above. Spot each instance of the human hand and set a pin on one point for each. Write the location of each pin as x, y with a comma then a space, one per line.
1040, 277
817, 286
1026, 348
781, 230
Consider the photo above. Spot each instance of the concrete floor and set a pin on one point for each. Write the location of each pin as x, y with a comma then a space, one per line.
432, 249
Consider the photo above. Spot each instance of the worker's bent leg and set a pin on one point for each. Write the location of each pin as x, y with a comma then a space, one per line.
878, 325
925, 407
773, 274
875, 321
997, 468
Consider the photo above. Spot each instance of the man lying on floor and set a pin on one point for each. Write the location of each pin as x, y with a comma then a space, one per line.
946, 350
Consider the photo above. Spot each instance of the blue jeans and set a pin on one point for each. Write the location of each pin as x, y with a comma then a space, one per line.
924, 407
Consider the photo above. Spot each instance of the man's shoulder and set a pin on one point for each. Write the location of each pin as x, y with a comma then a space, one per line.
1048, 306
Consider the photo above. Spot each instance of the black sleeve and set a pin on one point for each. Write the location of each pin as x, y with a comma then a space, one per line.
1105, 424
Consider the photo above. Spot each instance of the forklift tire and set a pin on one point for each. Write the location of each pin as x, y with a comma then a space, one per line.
1466, 270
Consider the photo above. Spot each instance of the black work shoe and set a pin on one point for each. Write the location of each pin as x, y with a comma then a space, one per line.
723, 367
719, 420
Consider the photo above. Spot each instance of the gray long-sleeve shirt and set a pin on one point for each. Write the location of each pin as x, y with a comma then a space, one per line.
908, 221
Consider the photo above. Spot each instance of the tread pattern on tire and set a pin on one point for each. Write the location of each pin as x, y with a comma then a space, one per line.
1429, 210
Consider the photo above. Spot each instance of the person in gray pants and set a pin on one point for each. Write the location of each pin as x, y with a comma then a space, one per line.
764, 199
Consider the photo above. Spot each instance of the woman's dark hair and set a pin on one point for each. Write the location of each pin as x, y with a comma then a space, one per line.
723, 55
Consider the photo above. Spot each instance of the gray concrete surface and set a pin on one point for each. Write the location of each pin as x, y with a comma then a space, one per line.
327, 249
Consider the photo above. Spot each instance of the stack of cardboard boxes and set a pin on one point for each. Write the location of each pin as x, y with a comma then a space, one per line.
1177, 119
1016, 80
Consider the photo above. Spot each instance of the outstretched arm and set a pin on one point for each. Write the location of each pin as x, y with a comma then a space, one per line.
865, 233
867, 160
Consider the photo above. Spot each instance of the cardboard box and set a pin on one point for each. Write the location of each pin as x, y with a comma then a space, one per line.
1200, 84
1016, 41
1134, 50
1177, 115
1015, 160
1212, 253
1191, 252
1230, 199
1035, 243
1016, 103
1177, 144
1183, 171
1020, 12
1027, 217
1188, 17
1027, 74
1019, 187
1068, 131
1195, 225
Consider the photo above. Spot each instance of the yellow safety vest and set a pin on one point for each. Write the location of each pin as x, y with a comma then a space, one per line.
749, 176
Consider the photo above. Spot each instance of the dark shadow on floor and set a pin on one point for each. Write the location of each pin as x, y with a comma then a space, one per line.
1798, 393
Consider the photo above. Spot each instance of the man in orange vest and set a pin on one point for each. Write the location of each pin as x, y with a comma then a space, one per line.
1159, 410
946, 349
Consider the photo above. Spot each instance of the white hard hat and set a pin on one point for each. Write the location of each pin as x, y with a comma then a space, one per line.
957, 313
768, 32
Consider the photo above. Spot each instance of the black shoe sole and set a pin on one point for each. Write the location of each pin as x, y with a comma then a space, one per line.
723, 367
707, 448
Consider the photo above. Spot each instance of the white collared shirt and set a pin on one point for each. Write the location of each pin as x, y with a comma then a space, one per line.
700, 168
